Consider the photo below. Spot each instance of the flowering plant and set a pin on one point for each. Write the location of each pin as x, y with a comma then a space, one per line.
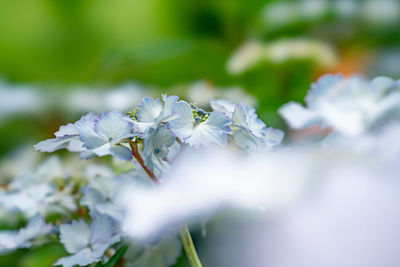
178, 175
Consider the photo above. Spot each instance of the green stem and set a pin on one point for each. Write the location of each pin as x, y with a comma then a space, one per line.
186, 238
188, 245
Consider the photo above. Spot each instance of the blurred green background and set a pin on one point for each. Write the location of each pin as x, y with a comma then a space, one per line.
273, 50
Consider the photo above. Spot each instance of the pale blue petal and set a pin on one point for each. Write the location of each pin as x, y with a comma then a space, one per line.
82, 258
91, 246
156, 147
149, 110
75, 236
225, 106
101, 192
50, 168
12, 240
105, 185
91, 197
87, 132
98, 249
35, 227
320, 88
67, 130
159, 139
274, 135
245, 141
204, 135
382, 84
101, 229
239, 116
169, 102
255, 125
29, 200
75, 145
110, 209
17, 202
297, 116
121, 153
213, 130
245, 117
142, 128
67, 201
182, 126
51, 145
102, 150
219, 121
113, 126
157, 165
87, 154
173, 151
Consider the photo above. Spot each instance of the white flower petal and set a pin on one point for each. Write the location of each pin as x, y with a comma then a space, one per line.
113, 126
169, 102
297, 116
91, 197
239, 116
320, 88
75, 236
51, 145
121, 153
222, 105
182, 126
245, 141
274, 136
81, 258
67, 130
149, 110
213, 130
101, 229
87, 132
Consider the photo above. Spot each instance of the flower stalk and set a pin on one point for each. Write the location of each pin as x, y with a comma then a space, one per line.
184, 233
136, 155
189, 247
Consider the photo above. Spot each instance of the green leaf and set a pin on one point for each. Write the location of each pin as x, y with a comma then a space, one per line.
115, 258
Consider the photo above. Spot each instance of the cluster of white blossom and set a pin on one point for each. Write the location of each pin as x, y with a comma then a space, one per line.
189, 164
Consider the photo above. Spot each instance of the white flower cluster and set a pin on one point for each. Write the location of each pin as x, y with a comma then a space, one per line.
152, 135
188, 164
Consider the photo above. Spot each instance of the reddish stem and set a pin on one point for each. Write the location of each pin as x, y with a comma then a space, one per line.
136, 155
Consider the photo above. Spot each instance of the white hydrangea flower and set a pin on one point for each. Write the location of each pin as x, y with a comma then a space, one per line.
49, 170
35, 192
42, 198
66, 137
195, 131
102, 135
94, 135
87, 243
350, 106
100, 196
152, 112
156, 149
249, 132
156, 133
23, 238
